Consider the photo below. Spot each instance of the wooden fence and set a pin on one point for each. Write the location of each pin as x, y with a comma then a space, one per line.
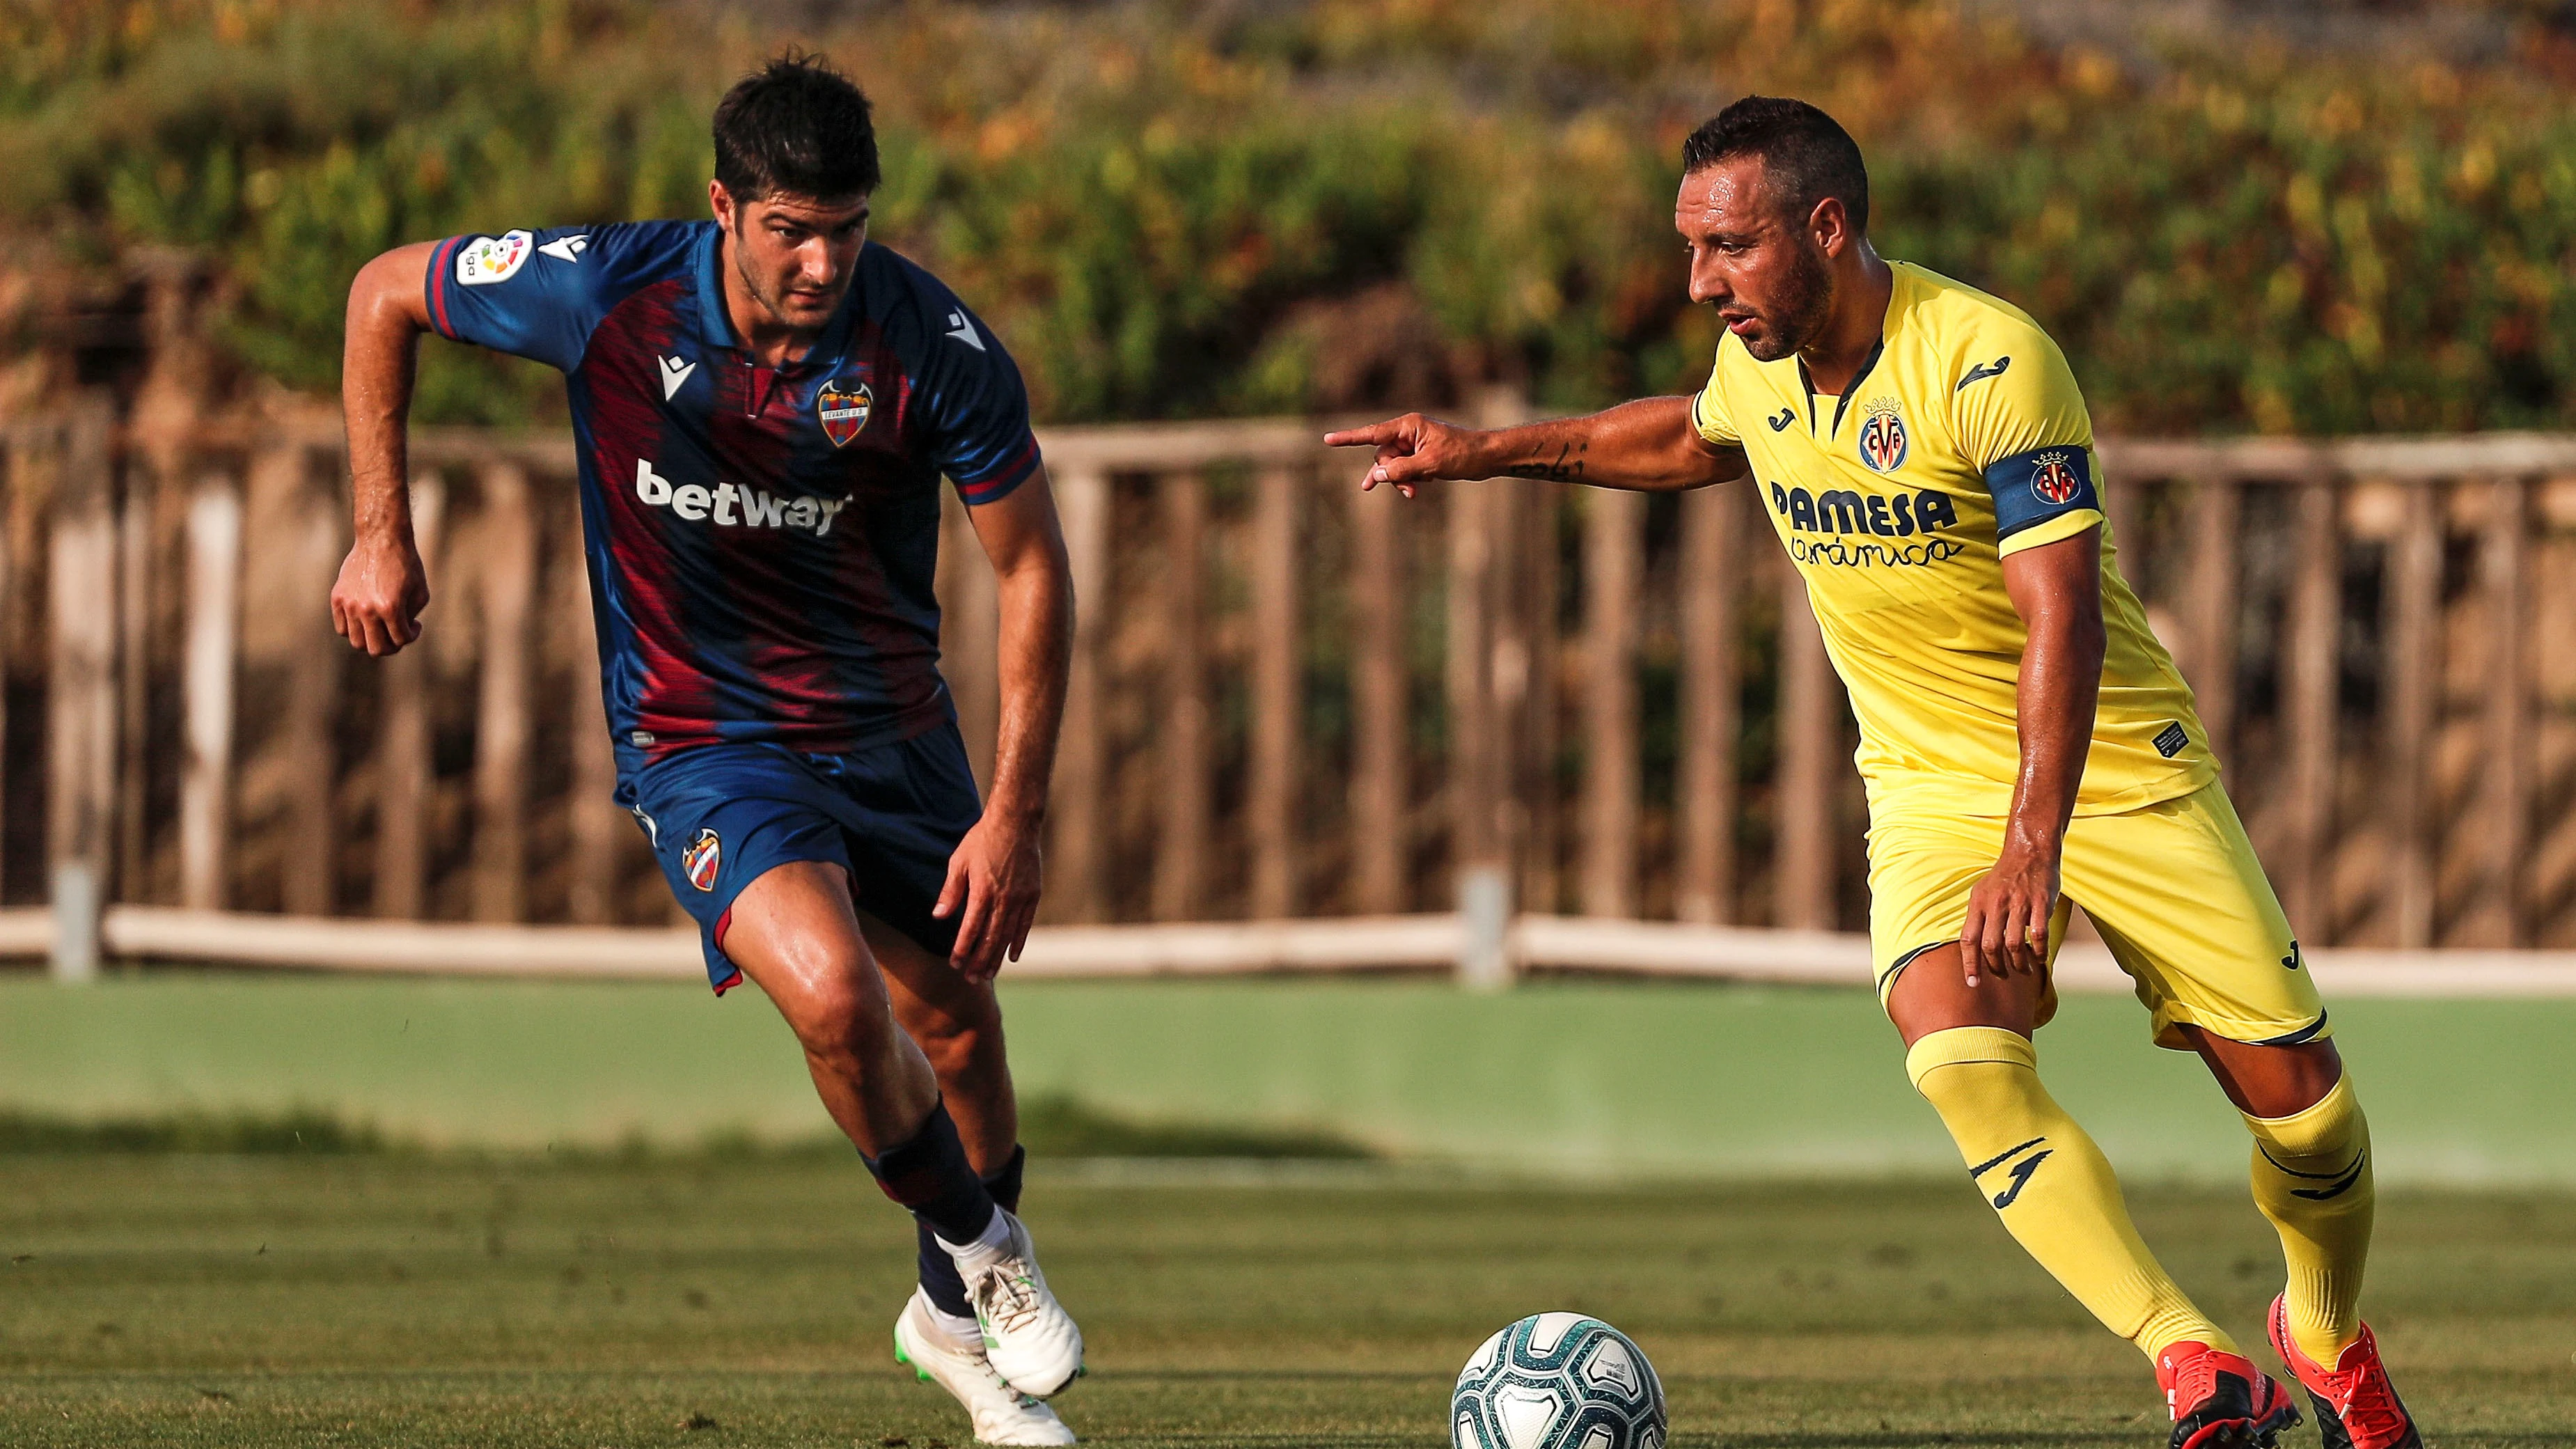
1289, 698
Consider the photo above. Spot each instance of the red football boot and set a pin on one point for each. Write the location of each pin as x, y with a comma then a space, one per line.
2220, 1400
2356, 1406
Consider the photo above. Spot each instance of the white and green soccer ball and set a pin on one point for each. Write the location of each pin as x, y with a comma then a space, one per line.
1558, 1381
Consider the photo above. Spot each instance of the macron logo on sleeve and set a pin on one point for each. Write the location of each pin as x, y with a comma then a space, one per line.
964, 331
758, 509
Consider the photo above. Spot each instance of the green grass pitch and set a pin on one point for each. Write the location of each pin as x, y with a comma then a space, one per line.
527, 1301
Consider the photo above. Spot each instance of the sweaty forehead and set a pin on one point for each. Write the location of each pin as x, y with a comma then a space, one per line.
1727, 197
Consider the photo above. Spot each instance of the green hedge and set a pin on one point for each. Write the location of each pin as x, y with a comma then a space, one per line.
1167, 215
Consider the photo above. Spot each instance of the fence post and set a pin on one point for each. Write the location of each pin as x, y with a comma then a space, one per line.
1278, 695
403, 763
212, 648
134, 583
1381, 846
1532, 657
2414, 641
1181, 847
81, 730
1078, 845
601, 835
1711, 702
1482, 524
2508, 712
1484, 925
1613, 563
2316, 625
2216, 508
13, 451
1810, 735
308, 874
1468, 663
506, 537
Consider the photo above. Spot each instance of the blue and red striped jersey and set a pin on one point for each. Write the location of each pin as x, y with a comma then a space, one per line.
761, 541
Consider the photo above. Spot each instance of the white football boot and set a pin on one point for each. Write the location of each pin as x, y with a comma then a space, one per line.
1002, 1414
1029, 1338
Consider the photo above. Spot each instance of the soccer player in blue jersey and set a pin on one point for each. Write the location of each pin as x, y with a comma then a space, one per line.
764, 405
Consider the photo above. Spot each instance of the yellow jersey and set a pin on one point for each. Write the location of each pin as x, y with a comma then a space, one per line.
1962, 440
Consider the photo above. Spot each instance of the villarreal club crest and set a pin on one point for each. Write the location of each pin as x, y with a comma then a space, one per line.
2051, 481
842, 407
1882, 437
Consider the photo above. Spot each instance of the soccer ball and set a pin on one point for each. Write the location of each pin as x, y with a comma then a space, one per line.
1558, 1381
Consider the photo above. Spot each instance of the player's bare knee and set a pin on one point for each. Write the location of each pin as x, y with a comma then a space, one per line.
842, 1021
956, 1046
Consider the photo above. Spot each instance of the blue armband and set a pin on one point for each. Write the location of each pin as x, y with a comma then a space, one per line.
2031, 488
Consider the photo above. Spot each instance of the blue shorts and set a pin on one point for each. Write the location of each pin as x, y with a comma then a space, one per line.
721, 816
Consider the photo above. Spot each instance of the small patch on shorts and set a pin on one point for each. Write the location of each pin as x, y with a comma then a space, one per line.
701, 860
2169, 743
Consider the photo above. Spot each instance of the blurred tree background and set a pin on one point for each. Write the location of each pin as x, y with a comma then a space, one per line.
1176, 210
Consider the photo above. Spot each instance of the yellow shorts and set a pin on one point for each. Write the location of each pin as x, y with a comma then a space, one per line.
2173, 887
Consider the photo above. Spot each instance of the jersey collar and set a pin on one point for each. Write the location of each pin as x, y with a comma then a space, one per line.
715, 324
1878, 349
1842, 404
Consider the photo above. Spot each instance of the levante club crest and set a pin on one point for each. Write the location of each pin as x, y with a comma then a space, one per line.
2051, 481
1882, 437
842, 406
702, 858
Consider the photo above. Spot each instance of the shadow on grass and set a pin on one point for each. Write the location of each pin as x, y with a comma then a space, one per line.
1052, 1126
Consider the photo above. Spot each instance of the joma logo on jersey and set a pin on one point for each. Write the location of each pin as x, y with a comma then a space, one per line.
1841, 510
1882, 437
842, 406
757, 509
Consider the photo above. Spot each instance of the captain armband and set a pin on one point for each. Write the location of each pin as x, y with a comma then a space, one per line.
2031, 488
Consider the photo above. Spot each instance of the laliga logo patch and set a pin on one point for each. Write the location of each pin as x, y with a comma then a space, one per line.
700, 860
489, 259
843, 407
2051, 481
1882, 437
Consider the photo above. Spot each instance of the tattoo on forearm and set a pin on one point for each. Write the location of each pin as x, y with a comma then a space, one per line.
1565, 467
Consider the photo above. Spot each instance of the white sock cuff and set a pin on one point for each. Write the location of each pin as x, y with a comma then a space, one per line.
963, 1331
995, 1237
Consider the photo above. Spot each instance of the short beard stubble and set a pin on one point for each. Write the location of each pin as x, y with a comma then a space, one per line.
1805, 304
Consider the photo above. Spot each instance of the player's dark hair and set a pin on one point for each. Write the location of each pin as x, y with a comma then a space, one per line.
1807, 154
796, 127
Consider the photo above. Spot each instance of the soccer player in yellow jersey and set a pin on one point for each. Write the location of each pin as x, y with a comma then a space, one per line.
1924, 455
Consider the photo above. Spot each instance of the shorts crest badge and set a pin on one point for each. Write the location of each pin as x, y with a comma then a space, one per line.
2051, 481
842, 406
1882, 437
700, 861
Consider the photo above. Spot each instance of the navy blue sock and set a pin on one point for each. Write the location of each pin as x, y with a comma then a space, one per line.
939, 1278
930, 1175
1005, 1184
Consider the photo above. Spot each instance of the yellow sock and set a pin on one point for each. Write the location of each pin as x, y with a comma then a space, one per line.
2312, 1178
2051, 1185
